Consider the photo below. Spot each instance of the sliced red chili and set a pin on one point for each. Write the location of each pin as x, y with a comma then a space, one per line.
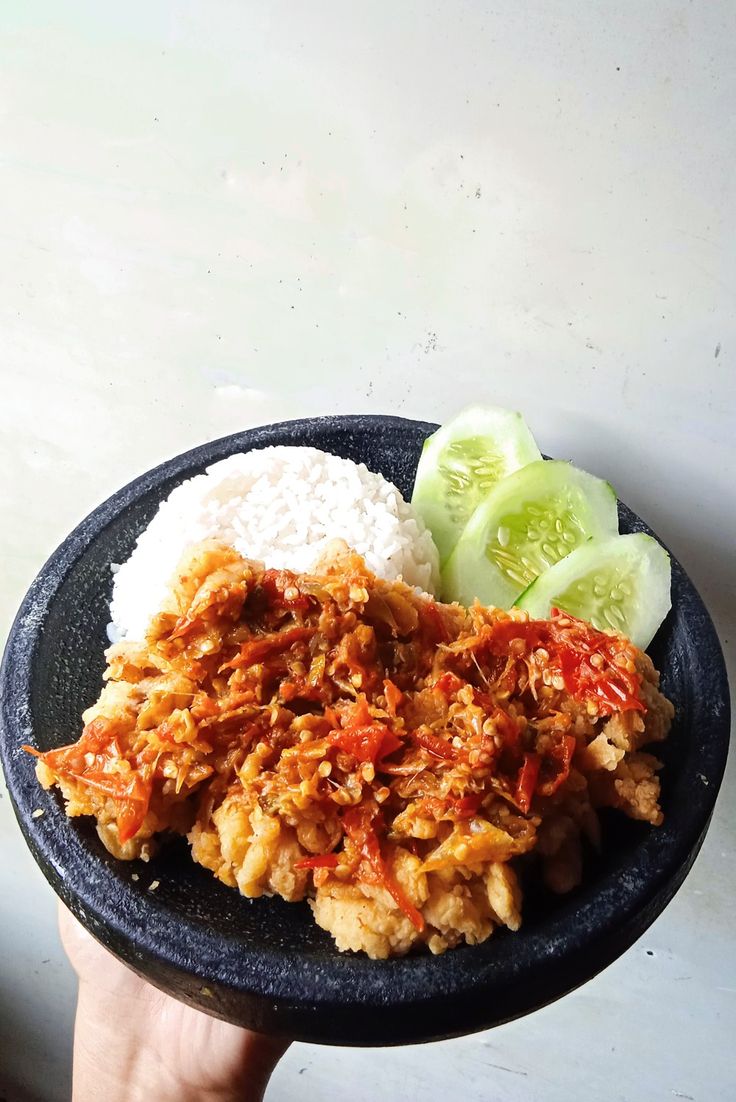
360, 826
526, 782
97, 738
256, 650
365, 737
130, 819
299, 688
133, 793
369, 743
571, 645
610, 687
467, 806
394, 697
131, 790
319, 861
448, 684
433, 744
277, 583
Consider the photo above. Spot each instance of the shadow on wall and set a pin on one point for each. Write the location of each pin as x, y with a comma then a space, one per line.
700, 539
15, 1074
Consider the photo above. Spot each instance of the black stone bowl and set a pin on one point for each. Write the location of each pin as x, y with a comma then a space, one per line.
264, 963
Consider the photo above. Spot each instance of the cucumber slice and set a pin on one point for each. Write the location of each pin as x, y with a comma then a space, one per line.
462, 462
620, 584
531, 520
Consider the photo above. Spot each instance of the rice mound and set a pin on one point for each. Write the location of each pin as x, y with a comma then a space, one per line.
282, 506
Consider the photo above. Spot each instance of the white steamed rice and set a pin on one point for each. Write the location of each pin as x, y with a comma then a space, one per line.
281, 505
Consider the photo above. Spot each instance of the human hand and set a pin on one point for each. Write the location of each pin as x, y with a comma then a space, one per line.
133, 1042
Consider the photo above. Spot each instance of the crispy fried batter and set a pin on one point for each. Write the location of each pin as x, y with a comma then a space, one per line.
348, 739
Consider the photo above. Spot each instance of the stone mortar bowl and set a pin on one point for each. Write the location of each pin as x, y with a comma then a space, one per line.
264, 963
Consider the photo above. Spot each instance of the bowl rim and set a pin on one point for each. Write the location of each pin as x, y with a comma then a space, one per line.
586, 933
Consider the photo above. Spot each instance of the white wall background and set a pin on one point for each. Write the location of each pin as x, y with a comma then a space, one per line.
221, 214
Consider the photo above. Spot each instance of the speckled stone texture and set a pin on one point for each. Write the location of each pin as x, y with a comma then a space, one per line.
264, 963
